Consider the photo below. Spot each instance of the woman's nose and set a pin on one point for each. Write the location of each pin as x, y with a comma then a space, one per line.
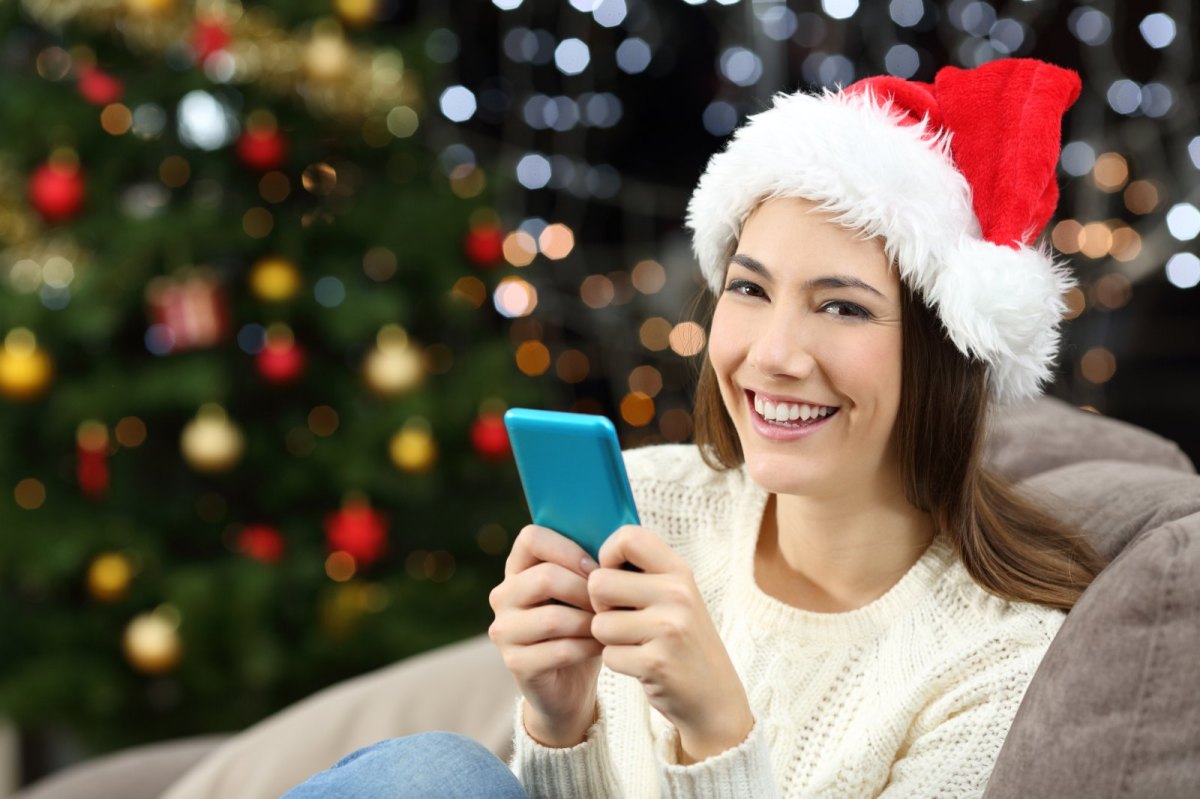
782, 346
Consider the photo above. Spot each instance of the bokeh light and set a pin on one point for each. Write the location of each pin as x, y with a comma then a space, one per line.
649, 276
30, 494
1098, 365
469, 290
1112, 291
130, 431
637, 409
1110, 172
647, 380
655, 334
687, 338
515, 297
676, 425
533, 358
572, 366
556, 241
1183, 270
596, 291
1141, 196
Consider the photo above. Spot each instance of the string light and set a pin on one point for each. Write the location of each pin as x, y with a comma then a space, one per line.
687, 338
1098, 365
596, 291
649, 277
1110, 172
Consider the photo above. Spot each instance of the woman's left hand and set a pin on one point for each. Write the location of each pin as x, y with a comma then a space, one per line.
654, 626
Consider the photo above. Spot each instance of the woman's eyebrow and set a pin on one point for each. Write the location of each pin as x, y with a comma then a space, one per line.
825, 281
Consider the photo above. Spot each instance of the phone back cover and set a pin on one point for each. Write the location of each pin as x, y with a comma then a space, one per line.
573, 474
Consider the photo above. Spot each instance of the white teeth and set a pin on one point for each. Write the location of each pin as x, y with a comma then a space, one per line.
788, 411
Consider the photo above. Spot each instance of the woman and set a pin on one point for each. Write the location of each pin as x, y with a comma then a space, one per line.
836, 598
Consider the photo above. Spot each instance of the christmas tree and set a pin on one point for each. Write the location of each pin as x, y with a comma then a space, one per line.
255, 326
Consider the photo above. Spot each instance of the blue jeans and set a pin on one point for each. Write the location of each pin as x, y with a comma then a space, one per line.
429, 765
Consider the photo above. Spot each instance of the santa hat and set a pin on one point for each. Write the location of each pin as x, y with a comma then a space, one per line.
956, 176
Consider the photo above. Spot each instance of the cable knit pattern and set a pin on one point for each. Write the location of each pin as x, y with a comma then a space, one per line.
909, 696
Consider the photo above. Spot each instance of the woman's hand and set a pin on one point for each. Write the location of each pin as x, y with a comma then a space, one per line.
654, 626
543, 630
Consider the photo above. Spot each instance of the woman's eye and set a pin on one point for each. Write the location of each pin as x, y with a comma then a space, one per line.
740, 284
854, 309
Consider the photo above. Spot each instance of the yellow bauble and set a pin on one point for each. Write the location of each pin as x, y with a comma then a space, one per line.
25, 370
150, 7
275, 279
393, 369
356, 12
327, 57
413, 449
211, 443
151, 643
109, 576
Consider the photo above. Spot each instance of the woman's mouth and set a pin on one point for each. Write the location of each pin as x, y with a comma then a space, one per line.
788, 420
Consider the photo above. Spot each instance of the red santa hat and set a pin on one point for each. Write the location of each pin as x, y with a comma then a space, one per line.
956, 176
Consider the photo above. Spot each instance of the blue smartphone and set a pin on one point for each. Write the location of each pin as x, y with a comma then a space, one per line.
573, 474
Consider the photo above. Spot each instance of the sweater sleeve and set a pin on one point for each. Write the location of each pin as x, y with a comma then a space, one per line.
577, 772
956, 740
744, 770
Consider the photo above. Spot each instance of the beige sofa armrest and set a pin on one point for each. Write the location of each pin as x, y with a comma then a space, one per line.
463, 687
142, 772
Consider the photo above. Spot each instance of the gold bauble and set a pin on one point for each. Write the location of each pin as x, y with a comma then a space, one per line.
393, 369
109, 576
274, 279
356, 12
413, 449
211, 443
150, 7
25, 369
151, 643
327, 57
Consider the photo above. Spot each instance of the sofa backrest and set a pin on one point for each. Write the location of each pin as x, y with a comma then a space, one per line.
1046, 433
1114, 707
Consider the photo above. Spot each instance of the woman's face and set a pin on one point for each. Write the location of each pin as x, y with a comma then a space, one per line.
776, 333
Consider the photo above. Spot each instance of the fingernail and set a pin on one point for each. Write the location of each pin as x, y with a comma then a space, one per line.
588, 565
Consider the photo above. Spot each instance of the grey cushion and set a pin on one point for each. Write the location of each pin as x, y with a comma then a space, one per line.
1046, 433
1113, 501
1114, 708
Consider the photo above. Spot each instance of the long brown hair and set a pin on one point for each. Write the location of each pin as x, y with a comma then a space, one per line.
1010, 546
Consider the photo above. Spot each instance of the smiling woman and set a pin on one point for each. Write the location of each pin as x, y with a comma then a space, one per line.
836, 597
903, 452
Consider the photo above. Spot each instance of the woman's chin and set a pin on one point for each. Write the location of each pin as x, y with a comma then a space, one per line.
781, 473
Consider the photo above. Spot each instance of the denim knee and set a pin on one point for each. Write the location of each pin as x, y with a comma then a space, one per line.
428, 765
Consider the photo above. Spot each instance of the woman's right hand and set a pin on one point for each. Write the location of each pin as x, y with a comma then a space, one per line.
543, 628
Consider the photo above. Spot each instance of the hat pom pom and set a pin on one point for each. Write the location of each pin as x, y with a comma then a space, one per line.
1003, 306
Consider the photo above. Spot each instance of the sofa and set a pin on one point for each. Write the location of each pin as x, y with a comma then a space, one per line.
1113, 710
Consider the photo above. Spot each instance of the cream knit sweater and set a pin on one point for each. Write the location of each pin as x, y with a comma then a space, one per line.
909, 696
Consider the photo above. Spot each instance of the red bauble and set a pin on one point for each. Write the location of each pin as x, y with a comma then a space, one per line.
280, 362
489, 437
56, 191
98, 87
91, 469
208, 37
484, 245
359, 531
262, 149
261, 542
